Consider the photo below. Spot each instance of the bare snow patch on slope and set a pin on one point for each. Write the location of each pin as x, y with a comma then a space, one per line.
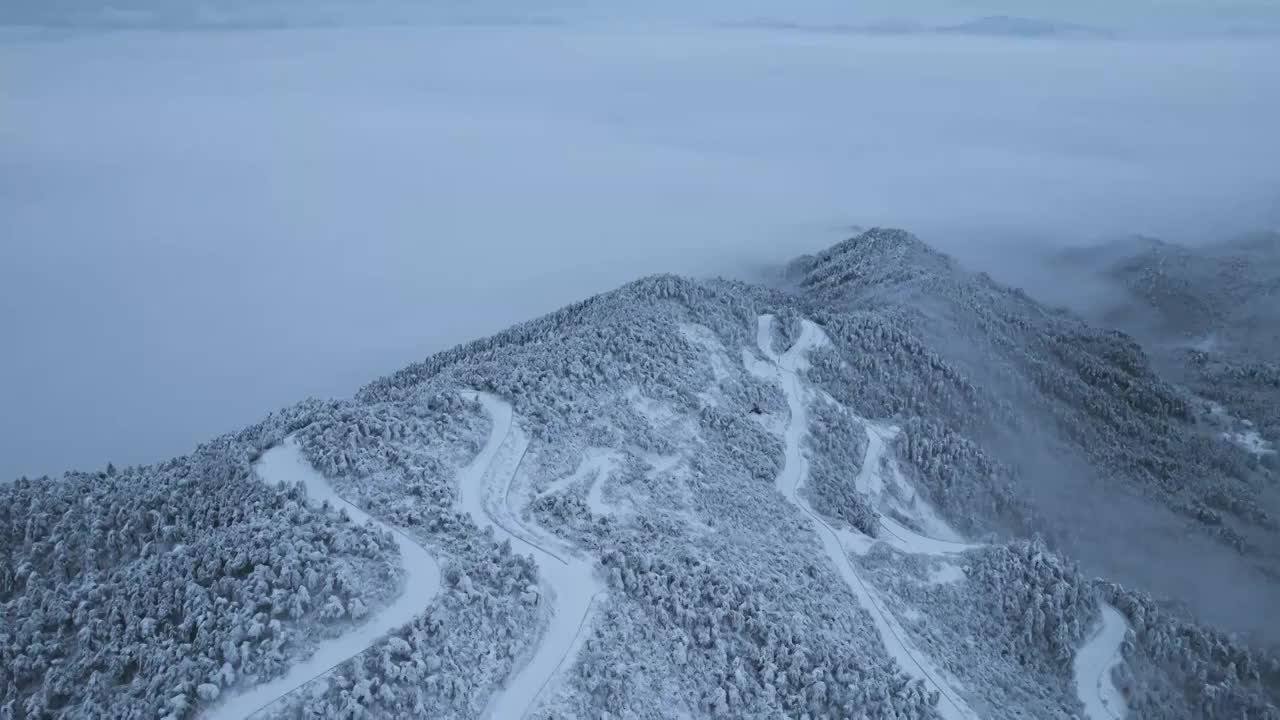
701, 336
882, 481
667, 491
595, 469
605, 463
773, 423
945, 573
870, 481
657, 413
286, 464
908, 501
659, 465
903, 538
760, 367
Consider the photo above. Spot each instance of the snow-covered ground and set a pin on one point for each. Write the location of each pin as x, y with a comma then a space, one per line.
945, 572
1092, 666
870, 481
570, 582
1093, 662
597, 464
490, 491
703, 337
784, 369
285, 463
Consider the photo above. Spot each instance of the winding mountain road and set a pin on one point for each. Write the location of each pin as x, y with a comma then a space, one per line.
484, 493
485, 487
1093, 662
951, 705
484, 490
870, 483
285, 463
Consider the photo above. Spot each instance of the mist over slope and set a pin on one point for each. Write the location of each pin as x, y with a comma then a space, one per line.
1208, 316
1084, 421
881, 489
176, 207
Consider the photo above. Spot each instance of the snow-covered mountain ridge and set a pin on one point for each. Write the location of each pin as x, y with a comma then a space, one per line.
1207, 316
867, 492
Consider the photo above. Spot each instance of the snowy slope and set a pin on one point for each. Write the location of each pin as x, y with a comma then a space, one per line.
285, 464
913, 661
570, 584
679, 499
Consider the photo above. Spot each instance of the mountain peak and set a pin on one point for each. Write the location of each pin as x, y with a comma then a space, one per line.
680, 468
875, 254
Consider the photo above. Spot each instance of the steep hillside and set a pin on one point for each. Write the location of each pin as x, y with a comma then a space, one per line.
1209, 315
870, 493
1052, 425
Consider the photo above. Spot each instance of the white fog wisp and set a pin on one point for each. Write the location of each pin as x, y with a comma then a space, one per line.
390, 161
285, 463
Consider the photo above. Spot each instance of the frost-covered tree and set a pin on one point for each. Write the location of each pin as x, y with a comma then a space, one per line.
156, 591
147, 591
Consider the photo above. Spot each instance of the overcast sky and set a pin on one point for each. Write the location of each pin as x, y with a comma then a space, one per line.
197, 228
1133, 16
1130, 17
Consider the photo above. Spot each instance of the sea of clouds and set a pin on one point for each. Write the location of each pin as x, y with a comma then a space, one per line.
199, 227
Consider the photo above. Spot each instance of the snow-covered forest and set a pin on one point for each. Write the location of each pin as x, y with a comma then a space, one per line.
150, 591
654, 428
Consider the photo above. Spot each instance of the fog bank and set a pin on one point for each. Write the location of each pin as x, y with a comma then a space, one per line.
196, 228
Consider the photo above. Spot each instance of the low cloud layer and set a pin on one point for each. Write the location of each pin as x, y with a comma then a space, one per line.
197, 228
1130, 19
